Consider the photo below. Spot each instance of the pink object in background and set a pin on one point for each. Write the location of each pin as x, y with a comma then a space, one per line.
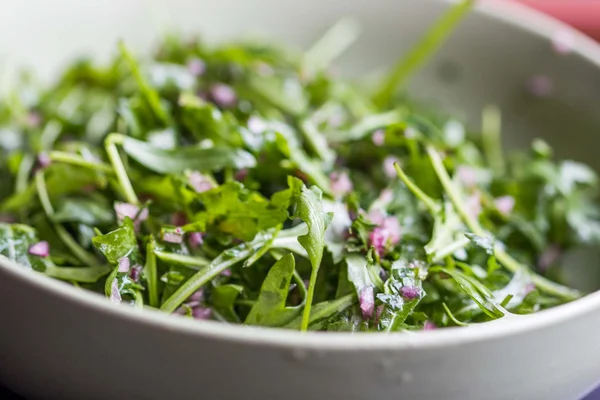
581, 14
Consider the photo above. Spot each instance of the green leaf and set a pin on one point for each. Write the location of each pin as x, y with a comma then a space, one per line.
477, 291
237, 211
398, 307
90, 211
309, 208
15, 241
186, 158
322, 312
222, 300
117, 244
270, 305
225, 260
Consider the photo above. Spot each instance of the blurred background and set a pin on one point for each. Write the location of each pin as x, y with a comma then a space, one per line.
582, 14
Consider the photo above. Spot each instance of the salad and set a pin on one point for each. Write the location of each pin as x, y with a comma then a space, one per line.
246, 183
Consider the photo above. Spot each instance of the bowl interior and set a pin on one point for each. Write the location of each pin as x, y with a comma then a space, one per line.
483, 63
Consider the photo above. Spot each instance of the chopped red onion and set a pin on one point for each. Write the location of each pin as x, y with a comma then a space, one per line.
388, 166
132, 211
466, 175
505, 204
367, 302
179, 219
410, 292
376, 216
43, 160
115, 296
540, 86
195, 239
562, 42
124, 265
378, 137
175, 236
135, 272
41, 249
340, 183
473, 205
198, 295
200, 182
386, 234
223, 95
201, 313
196, 66
378, 312
429, 326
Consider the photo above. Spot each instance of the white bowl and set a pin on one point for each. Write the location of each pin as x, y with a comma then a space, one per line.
57, 342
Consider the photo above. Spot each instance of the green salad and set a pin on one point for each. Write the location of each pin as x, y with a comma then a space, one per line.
245, 183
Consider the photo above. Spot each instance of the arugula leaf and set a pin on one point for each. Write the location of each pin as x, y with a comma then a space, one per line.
186, 158
238, 211
309, 208
223, 299
117, 244
269, 309
225, 260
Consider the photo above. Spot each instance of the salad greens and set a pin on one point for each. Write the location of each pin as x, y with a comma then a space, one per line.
245, 183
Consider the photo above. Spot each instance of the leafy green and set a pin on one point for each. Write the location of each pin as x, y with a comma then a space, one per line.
117, 244
269, 309
186, 158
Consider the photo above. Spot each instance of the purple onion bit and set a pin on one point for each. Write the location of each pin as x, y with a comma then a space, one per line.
124, 265
196, 66
115, 295
367, 302
135, 273
201, 313
378, 138
43, 160
200, 182
223, 95
410, 292
429, 326
195, 239
132, 211
340, 183
175, 236
41, 249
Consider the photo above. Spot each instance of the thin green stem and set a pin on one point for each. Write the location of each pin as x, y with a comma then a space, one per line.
22, 178
119, 168
492, 144
422, 51
450, 249
79, 252
503, 257
73, 159
309, 298
151, 274
431, 204
301, 286
188, 261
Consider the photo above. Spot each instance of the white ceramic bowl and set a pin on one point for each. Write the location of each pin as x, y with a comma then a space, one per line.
57, 342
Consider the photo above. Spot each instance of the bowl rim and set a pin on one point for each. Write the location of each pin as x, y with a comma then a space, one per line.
515, 14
